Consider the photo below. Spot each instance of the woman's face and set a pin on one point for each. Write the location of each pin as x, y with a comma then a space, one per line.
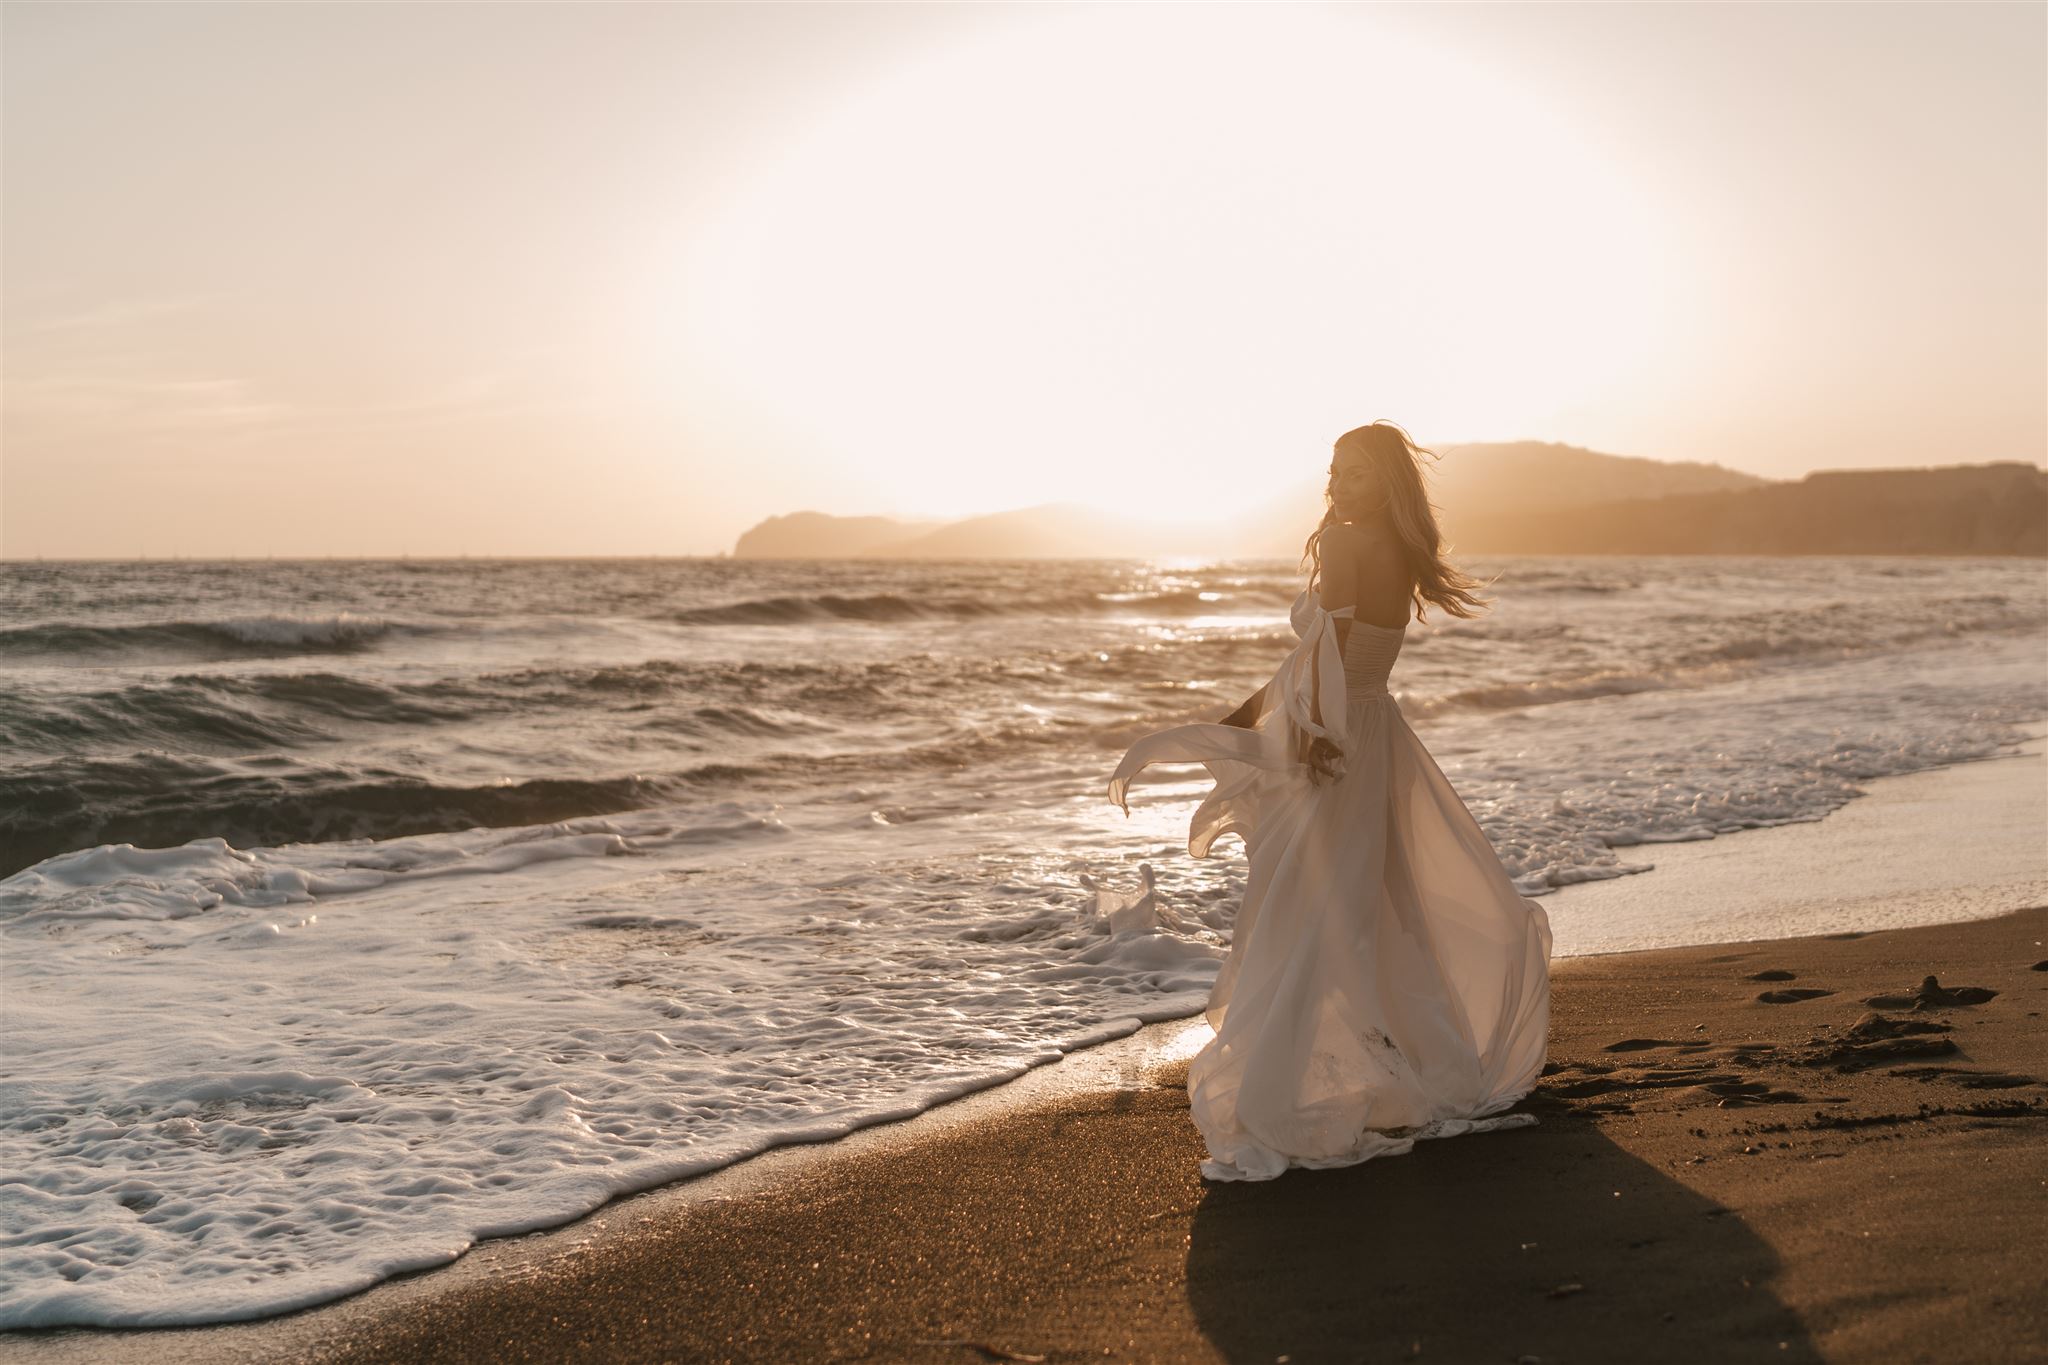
1354, 484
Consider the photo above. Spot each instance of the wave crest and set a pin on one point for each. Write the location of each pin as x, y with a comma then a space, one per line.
229, 637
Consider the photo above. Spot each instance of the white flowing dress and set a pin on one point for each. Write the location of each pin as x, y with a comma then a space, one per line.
1385, 980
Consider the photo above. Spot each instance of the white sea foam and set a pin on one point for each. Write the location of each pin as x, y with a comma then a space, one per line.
270, 1109
1558, 787
337, 629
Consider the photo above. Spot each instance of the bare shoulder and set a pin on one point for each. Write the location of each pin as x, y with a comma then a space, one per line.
1366, 568
1366, 550
1341, 536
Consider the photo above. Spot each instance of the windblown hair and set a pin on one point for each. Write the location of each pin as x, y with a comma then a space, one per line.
1396, 457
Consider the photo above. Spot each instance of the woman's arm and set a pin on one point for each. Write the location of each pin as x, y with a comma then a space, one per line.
1344, 572
1343, 566
1342, 553
1346, 568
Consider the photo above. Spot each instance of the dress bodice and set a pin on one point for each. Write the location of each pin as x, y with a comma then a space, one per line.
1369, 654
1369, 650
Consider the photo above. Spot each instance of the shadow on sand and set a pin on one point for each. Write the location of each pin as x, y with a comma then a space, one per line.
1469, 1248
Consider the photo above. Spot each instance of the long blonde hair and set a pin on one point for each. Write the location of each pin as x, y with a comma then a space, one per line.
1396, 457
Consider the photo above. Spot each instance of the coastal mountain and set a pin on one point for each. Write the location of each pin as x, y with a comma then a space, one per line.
1054, 531
1527, 497
1539, 476
1985, 509
1065, 530
819, 535
1491, 482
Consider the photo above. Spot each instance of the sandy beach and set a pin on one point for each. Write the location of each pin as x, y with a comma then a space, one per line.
1787, 1149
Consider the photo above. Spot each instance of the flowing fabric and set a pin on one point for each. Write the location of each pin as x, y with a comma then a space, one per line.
1385, 981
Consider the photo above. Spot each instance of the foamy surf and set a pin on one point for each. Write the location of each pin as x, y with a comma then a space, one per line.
311, 1068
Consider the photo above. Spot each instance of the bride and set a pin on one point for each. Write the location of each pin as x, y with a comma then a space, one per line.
1385, 982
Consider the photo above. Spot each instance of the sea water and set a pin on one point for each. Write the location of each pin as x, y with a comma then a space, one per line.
354, 911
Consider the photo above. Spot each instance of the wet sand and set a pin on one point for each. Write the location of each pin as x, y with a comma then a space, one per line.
1780, 1149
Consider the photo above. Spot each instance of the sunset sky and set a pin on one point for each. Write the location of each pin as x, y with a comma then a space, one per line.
624, 279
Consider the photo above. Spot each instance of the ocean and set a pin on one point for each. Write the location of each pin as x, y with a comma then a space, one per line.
353, 911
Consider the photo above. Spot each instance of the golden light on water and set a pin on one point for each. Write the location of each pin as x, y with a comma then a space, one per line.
1101, 256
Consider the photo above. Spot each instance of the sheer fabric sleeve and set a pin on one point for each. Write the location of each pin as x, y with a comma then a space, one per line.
1312, 695
1303, 700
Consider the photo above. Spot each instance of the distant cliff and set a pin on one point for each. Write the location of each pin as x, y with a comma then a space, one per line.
1987, 509
1489, 482
1535, 476
1527, 497
819, 535
1054, 531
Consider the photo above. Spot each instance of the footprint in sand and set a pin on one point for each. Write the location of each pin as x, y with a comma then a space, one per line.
1792, 996
1966, 1077
1843, 1055
1932, 995
1875, 1025
1591, 1088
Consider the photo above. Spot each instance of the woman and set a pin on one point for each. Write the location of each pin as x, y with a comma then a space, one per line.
1385, 981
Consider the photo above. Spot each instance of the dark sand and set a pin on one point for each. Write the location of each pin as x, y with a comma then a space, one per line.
1714, 1177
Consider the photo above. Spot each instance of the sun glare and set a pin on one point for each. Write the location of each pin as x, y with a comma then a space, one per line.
1111, 256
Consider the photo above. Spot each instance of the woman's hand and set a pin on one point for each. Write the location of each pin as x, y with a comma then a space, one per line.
1323, 759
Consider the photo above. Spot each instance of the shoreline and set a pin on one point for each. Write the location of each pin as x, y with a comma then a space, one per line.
1134, 1075
1938, 845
